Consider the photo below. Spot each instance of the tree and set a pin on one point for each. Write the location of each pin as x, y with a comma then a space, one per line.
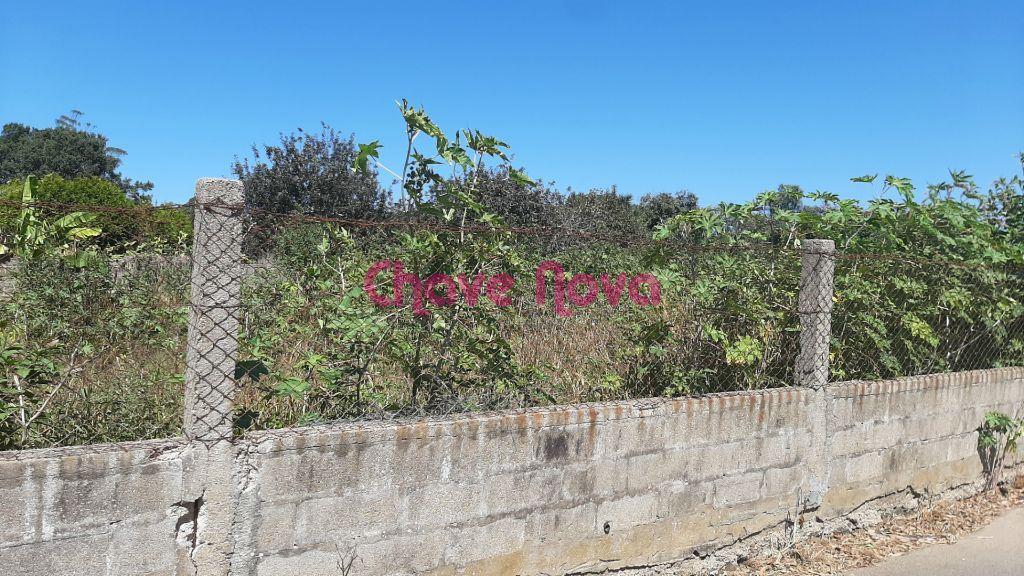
311, 174
518, 203
1003, 205
656, 208
71, 149
601, 211
790, 198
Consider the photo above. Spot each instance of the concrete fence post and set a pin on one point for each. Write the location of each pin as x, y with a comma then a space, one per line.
817, 274
209, 470
213, 307
812, 363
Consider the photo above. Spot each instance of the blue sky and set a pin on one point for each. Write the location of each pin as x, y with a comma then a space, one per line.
722, 98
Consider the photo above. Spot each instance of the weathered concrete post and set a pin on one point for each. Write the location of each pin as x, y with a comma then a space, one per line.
818, 265
213, 307
209, 483
817, 291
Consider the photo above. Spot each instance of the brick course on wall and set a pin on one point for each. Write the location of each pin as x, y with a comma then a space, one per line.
624, 486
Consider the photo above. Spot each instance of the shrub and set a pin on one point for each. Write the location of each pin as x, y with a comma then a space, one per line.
122, 222
310, 174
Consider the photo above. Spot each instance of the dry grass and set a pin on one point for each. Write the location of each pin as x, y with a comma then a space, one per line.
575, 354
942, 523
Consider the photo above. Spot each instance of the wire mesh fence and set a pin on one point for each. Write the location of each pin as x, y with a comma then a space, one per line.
399, 323
92, 331
901, 316
297, 319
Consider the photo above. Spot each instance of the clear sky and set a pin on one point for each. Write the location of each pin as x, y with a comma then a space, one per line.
719, 97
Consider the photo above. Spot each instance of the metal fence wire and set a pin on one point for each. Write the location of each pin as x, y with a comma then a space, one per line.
93, 327
296, 319
901, 316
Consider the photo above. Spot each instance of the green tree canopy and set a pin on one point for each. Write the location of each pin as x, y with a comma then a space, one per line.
656, 208
71, 149
312, 174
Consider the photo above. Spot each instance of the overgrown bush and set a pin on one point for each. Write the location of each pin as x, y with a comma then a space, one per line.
310, 174
124, 223
924, 283
997, 439
85, 358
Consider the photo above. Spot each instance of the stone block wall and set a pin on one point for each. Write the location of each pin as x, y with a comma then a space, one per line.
916, 434
560, 490
96, 510
609, 486
630, 487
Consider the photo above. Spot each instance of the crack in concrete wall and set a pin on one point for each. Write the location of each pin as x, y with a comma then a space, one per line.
187, 529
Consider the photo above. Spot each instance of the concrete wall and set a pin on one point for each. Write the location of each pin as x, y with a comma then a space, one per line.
631, 486
533, 492
914, 433
97, 510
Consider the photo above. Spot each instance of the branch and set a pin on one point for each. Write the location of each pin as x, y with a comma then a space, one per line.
67, 376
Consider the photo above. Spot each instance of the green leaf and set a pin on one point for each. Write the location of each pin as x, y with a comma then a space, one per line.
920, 329
28, 191
902, 185
520, 177
81, 233
662, 232
867, 178
254, 369
292, 387
744, 351
366, 151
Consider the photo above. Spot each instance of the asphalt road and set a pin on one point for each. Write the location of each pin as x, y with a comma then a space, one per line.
995, 550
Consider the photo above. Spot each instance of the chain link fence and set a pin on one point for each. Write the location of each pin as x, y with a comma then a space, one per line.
93, 326
901, 316
494, 320
242, 319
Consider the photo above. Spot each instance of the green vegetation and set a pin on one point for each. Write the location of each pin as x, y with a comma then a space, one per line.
93, 348
77, 169
122, 221
997, 438
32, 237
71, 149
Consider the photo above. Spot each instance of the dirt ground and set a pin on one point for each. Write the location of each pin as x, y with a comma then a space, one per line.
943, 522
